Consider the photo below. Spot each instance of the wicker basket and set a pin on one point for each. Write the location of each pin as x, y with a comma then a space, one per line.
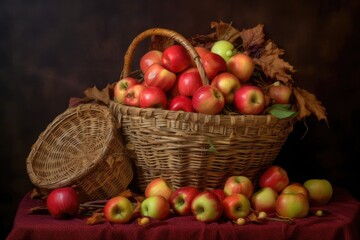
194, 148
81, 147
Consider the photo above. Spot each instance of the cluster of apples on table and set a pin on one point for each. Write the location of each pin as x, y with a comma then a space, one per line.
172, 81
235, 201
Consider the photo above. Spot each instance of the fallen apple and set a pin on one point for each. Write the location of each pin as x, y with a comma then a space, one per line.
155, 206
275, 177
159, 186
236, 206
292, 205
320, 190
264, 200
206, 207
238, 184
181, 199
63, 202
118, 209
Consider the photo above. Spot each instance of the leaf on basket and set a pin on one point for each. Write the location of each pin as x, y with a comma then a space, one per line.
307, 103
282, 111
96, 218
161, 43
98, 95
272, 65
36, 193
224, 31
253, 37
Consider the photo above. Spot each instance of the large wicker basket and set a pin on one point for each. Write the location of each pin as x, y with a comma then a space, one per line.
194, 148
81, 148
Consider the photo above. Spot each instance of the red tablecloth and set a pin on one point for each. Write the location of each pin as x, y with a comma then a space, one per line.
343, 223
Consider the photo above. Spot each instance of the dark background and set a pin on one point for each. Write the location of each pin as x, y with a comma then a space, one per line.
53, 50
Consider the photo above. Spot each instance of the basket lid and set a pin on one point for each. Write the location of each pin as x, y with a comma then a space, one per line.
71, 146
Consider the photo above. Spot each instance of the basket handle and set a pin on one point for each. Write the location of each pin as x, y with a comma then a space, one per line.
165, 33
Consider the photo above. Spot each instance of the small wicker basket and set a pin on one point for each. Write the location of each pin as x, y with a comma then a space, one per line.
194, 148
81, 148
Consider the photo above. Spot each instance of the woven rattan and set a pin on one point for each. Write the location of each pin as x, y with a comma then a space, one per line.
81, 148
194, 148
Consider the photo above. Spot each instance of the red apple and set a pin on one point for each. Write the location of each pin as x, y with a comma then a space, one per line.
275, 177
228, 84
149, 58
63, 202
189, 81
159, 186
249, 100
118, 210
153, 97
181, 199
206, 207
213, 64
201, 51
208, 100
132, 95
176, 59
320, 190
181, 103
292, 205
264, 200
155, 206
121, 86
236, 206
279, 93
296, 188
158, 76
239, 184
242, 66
220, 193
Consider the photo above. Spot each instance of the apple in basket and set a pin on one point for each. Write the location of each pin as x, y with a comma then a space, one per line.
320, 190
213, 64
236, 206
208, 100
181, 103
132, 95
189, 81
275, 177
279, 93
153, 97
118, 209
63, 202
155, 206
149, 58
228, 84
159, 186
223, 48
201, 51
158, 76
176, 59
264, 200
249, 99
181, 199
242, 66
206, 207
121, 86
239, 184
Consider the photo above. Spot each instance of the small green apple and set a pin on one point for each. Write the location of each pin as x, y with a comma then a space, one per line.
320, 190
223, 48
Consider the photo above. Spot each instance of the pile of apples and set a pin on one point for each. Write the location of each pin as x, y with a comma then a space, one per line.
172, 81
235, 201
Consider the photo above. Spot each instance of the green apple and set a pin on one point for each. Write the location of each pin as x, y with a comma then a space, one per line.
223, 48
206, 207
320, 190
264, 200
292, 205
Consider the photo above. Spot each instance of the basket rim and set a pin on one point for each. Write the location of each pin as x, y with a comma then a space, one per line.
102, 111
200, 118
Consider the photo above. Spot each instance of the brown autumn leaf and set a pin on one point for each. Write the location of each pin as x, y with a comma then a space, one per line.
307, 102
98, 95
224, 31
253, 37
160, 42
96, 218
272, 65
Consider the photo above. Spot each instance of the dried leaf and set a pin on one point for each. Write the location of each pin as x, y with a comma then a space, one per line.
272, 65
36, 193
254, 218
38, 210
224, 31
98, 95
161, 43
96, 218
253, 37
139, 200
307, 103
127, 193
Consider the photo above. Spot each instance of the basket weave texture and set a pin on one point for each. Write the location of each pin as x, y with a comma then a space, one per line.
81, 148
193, 148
